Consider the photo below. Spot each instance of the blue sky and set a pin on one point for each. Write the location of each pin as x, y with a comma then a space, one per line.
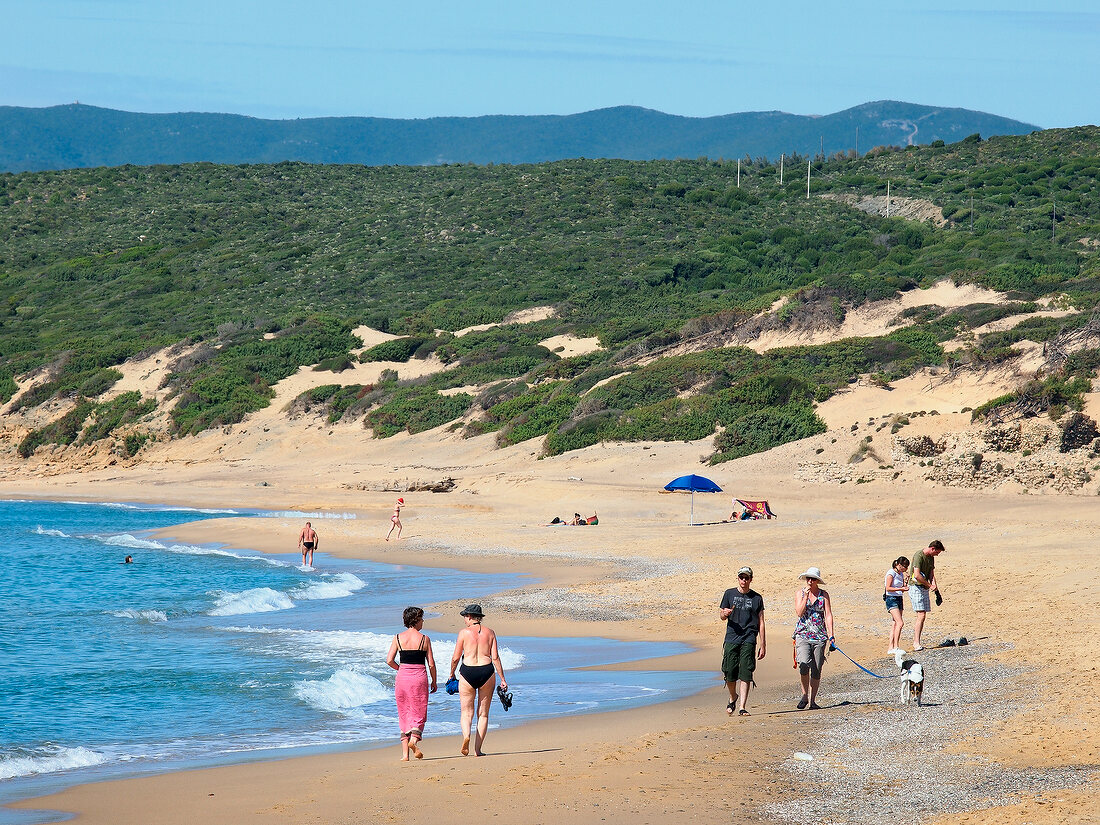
1034, 61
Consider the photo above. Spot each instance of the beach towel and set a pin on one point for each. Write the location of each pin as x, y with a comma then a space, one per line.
759, 509
411, 693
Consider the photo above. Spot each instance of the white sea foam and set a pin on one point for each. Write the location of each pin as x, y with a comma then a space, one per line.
256, 600
153, 508
332, 646
342, 646
126, 540
48, 759
196, 550
142, 615
300, 514
511, 659
46, 532
135, 543
332, 586
344, 690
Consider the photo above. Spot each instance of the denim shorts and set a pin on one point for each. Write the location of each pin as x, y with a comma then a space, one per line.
892, 601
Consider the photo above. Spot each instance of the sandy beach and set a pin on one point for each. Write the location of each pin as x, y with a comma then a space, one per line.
1006, 731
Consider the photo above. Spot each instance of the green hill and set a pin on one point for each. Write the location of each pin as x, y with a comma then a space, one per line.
270, 267
73, 136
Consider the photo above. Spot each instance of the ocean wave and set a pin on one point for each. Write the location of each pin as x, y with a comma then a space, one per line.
511, 659
132, 542
344, 690
160, 508
135, 543
46, 759
142, 615
341, 646
256, 600
332, 586
334, 647
47, 532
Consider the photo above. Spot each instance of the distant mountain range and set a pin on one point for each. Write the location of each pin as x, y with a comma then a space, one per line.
75, 136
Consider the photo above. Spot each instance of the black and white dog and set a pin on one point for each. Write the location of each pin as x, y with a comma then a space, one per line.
911, 678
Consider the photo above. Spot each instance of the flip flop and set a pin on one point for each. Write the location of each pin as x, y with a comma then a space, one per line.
730, 708
742, 712
802, 703
815, 706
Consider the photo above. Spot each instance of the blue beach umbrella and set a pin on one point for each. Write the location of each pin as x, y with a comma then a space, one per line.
693, 484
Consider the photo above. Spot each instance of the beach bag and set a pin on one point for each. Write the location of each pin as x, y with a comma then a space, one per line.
452, 685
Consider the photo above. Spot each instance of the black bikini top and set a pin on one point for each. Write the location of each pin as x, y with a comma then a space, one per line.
412, 657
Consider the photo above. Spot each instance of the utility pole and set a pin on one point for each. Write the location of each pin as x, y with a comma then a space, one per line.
1053, 218
739, 173
972, 214
857, 140
888, 198
807, 179
822, 146
781, 156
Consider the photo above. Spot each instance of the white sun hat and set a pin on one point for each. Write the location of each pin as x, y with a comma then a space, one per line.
813, 573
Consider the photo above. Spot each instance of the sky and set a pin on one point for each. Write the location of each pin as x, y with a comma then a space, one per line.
1038, 62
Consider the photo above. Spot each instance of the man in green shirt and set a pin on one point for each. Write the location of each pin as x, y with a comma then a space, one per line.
922, 583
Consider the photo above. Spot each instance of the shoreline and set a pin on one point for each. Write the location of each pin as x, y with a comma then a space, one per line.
264, 534
641, 574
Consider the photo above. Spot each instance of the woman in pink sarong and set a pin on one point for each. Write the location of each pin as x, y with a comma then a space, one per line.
411, 686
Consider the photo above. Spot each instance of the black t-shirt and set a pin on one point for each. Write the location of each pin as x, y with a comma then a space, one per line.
743, 623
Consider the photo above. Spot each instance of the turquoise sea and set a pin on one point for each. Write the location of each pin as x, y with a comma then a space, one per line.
197, 655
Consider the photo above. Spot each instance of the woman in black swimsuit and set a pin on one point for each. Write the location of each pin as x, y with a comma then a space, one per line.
478, 662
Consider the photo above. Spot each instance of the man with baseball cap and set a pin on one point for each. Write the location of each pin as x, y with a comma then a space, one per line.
742, 609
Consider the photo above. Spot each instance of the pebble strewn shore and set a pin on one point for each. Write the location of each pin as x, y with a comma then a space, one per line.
876, 760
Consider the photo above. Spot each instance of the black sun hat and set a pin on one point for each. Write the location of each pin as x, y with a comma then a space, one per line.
472, 610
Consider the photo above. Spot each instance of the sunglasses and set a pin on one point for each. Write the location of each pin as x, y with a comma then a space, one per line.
745, 578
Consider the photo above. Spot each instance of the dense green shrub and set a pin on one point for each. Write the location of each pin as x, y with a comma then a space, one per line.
8, 387
640, 254
337, 363
532, 415
761, 430
415, 409
99, 382
124, 409
133, 443
64, 430
396, 349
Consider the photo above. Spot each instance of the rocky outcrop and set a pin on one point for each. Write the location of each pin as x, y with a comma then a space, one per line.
1028, 454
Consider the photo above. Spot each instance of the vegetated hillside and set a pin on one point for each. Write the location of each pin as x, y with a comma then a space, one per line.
76, 136
270, 267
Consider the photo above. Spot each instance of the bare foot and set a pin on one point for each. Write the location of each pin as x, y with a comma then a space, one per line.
405, 758
466, 746
419, 754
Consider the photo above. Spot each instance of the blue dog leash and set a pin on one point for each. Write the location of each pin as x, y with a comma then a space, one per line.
832, 646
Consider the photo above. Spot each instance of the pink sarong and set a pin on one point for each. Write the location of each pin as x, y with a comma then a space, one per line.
411, 692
